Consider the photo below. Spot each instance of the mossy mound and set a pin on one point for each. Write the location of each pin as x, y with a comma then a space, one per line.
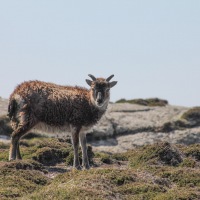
192, 151
192, 116
178, 194
97, 184
182, 176
162, 153
19, 178
145, 102
24, 165
28, 175
174, 125
189, 119
50, 156
106, 158
47, 151
159, 171
123, 184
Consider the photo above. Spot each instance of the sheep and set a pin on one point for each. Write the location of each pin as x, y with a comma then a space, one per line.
55, 108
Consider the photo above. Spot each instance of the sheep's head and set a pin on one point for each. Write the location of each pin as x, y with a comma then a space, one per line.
100, 90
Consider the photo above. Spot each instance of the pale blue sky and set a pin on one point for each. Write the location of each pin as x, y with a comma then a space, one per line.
152, 47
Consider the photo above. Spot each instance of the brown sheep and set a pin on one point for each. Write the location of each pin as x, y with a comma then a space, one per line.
56, 108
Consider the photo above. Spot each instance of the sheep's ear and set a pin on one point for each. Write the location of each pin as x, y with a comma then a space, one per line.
112, 84
89, 82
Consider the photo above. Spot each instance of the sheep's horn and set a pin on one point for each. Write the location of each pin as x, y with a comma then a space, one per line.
92, 77
109, 78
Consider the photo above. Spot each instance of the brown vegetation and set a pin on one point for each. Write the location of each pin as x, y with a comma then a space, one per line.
160, 171
145, 102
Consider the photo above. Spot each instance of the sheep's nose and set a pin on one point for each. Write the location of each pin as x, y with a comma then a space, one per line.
99, 97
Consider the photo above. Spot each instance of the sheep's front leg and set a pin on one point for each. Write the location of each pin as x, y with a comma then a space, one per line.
83, 142
75, 142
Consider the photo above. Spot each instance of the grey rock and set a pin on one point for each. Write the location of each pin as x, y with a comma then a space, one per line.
130, 125
126, 126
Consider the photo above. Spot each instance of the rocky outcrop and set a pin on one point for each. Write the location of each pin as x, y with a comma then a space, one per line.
127, 125
125, 118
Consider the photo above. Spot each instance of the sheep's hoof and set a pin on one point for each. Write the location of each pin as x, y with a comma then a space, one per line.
78, 167
18, 157
11, 159
87, 167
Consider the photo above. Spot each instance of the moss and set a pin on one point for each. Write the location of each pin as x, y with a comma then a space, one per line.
141, 190
145, 102
166, 127
70, 158
48, 151
111, 184
120, 156
24, 164
20, 178
162, 153
50, 156
183, 177
192, 151
116, 177
122, 101
189, 162
107, 158
178, 194
104, 157
159, 171
181, 124
169, 155
4, 154
192, 116
175, 125
92, 184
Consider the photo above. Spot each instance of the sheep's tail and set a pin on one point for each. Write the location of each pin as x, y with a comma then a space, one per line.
12, 108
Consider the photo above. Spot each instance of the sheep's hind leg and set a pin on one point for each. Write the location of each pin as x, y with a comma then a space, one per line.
83, 143
18, 154
14, 146
75, 142
15, 137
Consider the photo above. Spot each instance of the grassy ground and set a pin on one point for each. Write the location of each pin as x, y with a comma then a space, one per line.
159, 172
